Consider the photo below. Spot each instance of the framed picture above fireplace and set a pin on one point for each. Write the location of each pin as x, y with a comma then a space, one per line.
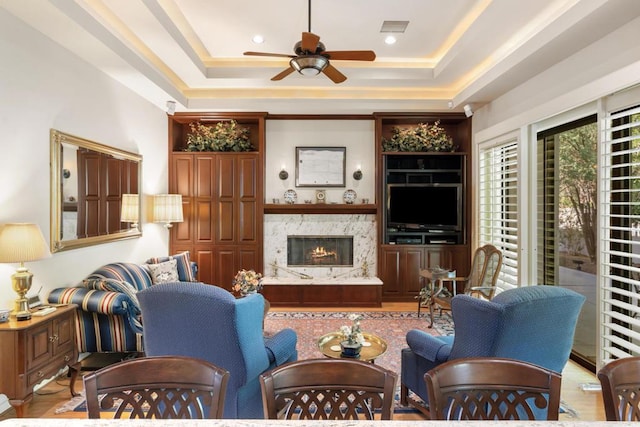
320, 166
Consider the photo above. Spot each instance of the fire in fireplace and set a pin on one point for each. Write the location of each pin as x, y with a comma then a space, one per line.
320, 251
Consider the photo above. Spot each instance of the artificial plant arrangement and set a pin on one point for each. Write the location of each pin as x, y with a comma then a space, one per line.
223, 136
422, 137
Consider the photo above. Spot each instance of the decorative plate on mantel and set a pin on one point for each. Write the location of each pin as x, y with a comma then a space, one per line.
290, 196
349, 197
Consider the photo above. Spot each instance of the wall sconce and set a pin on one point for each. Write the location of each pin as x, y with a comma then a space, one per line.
167, 208
283, 174
130, 209
22, 243
357, 174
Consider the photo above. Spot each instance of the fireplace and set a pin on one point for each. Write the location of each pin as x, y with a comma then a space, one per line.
320, 251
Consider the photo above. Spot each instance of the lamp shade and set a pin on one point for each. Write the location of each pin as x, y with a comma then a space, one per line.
22, 242
130, 208
167, 208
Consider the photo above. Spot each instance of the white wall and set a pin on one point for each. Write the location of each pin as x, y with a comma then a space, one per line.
283, 136
43, 86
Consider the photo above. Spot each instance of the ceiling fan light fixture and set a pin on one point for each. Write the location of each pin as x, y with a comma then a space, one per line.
309, 65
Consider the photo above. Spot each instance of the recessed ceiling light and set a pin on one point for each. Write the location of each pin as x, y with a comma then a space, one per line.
390, 39
257, 39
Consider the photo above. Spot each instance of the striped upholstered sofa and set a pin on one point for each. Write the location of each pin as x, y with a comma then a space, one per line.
108, 315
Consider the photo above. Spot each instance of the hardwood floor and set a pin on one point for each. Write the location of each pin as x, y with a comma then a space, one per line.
581, 405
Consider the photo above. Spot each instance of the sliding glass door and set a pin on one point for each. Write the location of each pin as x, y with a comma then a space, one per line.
567, 221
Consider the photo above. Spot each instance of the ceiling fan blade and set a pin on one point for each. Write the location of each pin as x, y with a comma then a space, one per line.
281, 55
283, 74
350, 55
309, 42
333, 73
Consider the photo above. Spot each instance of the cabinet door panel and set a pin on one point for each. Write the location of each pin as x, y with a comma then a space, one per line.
247, 222
248, 179
250, 258
182, 232
182, 175
410, 275
390, 272
226, 267
226, 176
226, 220
39, 347
204, 177
64, 327
204, 219
205, 260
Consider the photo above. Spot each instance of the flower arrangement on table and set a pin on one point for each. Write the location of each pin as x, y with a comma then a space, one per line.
422, 137
352, 333
247, 282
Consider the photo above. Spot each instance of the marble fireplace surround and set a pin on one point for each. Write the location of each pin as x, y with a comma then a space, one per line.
361, 226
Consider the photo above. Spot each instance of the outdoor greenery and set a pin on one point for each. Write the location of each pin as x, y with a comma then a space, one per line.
577, 179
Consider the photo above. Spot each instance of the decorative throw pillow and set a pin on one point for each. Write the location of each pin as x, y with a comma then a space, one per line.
164, 272
183, 264
105, 284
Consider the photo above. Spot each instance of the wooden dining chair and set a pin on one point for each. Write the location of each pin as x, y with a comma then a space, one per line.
481, 281
487, 388
332, 389
620, 381
162, 387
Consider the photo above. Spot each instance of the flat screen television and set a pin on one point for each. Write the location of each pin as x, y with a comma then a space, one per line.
425, 206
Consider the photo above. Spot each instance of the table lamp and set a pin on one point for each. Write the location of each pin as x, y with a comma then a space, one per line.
130, 209
167, 208
21, 243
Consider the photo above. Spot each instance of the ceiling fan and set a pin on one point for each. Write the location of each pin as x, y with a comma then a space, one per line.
311, 58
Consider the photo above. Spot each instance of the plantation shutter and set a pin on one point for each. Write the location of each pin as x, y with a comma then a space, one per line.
620, 235
498, 206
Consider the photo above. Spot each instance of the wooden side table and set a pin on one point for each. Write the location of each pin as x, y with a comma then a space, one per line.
33, 350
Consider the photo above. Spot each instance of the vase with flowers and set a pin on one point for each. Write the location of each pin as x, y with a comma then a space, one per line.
247, 282
352, 337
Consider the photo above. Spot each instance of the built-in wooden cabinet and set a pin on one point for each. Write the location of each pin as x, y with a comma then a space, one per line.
223, 201
222, 196
404, 250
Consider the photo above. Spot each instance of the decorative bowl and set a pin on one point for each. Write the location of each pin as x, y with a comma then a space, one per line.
4, 314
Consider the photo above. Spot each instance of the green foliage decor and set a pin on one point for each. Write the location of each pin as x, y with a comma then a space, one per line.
422, 137
223, 136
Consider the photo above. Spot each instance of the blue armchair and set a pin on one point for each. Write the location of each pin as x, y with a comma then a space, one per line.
209, 323
535, 324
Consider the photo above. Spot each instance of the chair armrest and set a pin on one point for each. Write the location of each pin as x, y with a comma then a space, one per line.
95, 301
434, 349
281, 347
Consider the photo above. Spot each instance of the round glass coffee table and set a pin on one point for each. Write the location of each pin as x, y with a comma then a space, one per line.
373, 347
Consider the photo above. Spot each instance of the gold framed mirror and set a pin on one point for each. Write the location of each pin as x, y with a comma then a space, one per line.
89, 182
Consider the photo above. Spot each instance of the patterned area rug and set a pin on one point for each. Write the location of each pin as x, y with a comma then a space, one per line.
392, 326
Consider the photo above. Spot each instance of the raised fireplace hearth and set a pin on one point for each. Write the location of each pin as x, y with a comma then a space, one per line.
319, 251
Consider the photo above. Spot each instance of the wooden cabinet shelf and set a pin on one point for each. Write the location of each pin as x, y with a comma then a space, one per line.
315, 208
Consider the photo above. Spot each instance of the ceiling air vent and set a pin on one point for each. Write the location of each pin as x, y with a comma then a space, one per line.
394, 26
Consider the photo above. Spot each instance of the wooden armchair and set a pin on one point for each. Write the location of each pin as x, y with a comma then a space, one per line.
333, 389
481, 281
487, 388
620, 381
163, 387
